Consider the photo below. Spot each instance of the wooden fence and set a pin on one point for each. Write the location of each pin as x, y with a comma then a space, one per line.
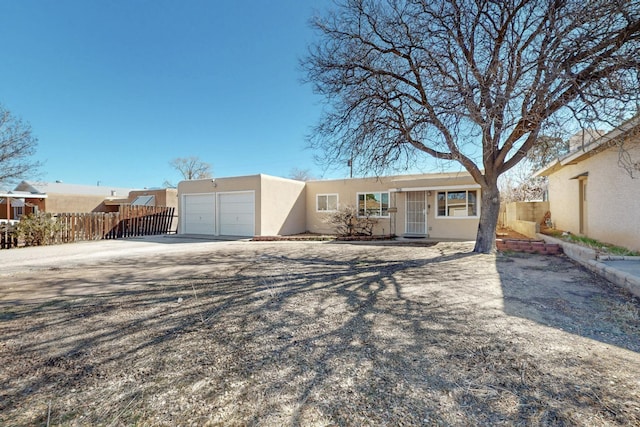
130, 221
7, 236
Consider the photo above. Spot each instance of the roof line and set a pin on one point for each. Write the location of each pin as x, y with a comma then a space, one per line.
604, 140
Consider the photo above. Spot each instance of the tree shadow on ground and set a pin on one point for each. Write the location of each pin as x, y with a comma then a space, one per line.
553, 291
265, 336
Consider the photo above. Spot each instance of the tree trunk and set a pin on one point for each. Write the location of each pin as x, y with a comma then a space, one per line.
489, 210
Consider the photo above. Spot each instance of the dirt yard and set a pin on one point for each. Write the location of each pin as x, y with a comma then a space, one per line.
313, 334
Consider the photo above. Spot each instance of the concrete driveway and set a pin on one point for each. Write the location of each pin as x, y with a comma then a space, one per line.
16, 260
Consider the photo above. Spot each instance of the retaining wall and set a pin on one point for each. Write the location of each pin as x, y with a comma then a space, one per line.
524, 217
590, 259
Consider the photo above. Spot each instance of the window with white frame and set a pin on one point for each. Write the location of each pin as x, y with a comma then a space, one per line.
373, 204
327, 202
458, 204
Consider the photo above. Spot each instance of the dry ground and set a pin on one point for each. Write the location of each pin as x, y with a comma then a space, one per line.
317, 334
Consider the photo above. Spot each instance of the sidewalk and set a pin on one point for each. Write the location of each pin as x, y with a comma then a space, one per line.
619, 270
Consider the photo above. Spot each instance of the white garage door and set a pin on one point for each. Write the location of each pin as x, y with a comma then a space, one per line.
237, 214
199, 214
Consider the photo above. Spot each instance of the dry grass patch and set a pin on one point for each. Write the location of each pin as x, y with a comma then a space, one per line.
270, 334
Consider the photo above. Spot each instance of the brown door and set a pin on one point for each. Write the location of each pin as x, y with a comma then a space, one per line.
583, 206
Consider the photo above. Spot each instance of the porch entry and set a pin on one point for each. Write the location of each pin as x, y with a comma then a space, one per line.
416, 221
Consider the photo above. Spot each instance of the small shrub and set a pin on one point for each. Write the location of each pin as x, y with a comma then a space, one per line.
347, 222
37, 229
552, 232
590, 243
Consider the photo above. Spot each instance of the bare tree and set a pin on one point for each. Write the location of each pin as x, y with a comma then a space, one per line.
519, 184
471, 81
544, 151
301, 174
629, 155
17, 146
190, 168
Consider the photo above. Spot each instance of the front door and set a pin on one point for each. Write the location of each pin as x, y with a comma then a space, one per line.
416, 213
582, 194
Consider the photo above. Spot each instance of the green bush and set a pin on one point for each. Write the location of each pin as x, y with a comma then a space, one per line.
37, 229
590, 243
604, 247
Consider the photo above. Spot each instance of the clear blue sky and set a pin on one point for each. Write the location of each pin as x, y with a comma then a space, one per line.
116, 89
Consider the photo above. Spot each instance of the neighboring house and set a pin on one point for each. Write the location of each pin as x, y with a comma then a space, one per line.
58, 197
591, 193
63, 197
149, 197
429, 205
14, 204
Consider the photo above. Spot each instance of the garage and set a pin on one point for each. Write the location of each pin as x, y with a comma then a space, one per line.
242, 206
236, 213
223, 214
198, 214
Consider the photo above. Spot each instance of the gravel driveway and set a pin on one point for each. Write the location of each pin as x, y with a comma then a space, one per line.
167, 331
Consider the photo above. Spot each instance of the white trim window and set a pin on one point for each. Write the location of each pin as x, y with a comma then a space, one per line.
326, 202
457, 204
375, 204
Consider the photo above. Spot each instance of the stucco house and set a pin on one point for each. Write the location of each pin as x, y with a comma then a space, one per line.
594, 190
63, 197
59, 197
444, 205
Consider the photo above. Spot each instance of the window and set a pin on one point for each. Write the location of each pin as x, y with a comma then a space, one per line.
327, 202
144, 201
458, 203
18, 211
373, 204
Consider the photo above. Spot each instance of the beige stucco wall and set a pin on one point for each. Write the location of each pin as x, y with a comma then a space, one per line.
223, 185
74, 203
279, 202
612, 199
347, 191
437, 227
525, 211
283, 206
524, 217
449, 228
